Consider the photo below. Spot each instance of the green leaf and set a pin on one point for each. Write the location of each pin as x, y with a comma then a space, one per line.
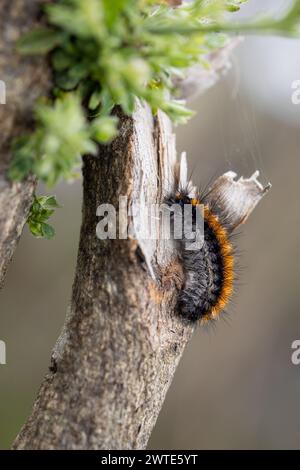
39, 41
41, 210
94, 100
234, 5
107, 103
48, 202
177, 111
104, 129
80, 18
47, 231
66, 81
36, 229
69, 79
113, 9
128, 104
61, 60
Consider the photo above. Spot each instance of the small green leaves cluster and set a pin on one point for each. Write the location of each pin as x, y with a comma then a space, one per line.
103, 54
114, 52
41, 210
106, 53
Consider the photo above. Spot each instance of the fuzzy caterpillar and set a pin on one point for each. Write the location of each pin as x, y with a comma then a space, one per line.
210, 271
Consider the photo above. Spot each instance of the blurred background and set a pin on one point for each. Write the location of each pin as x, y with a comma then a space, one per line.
235, 387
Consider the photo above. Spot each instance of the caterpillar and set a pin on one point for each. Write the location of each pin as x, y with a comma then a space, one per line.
210, 271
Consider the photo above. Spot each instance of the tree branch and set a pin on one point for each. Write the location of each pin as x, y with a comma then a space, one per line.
121, 343
25, 80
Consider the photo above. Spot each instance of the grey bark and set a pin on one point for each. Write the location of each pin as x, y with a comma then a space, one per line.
122, 341
25, 80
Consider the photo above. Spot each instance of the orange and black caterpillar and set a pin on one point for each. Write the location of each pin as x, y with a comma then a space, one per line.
210, 271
